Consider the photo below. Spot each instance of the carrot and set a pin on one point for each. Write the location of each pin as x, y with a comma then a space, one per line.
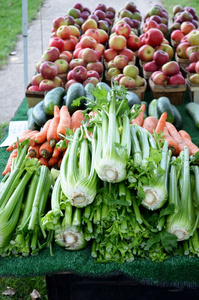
172, 145
44, 161
140, 118
56, 152
161, 123
65, 121
76, 119
176, 136
52, 136
46, 150
41, 136
8, 166
33, 151
192, 147
150, 123
28, 134
53, 161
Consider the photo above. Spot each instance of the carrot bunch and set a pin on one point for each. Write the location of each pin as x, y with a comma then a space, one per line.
43, 143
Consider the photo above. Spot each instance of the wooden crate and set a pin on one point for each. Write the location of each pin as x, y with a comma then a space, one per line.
193, 90
33, 97
181, 60
175, 93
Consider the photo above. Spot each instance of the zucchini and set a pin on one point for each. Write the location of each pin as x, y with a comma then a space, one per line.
152, 109
75, 90
177, 117
39, 115
89, 91
192, 108
132, 98
32, 125
164, 105
103, 84
52, 98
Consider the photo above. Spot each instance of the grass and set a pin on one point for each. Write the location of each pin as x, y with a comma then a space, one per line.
11, 24
168, 5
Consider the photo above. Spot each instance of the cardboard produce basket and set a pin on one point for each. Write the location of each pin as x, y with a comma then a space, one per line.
193, 90
182, 60
33, 97
175, 92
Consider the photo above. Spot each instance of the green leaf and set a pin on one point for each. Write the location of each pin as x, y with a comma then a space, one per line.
168, 240
169, 210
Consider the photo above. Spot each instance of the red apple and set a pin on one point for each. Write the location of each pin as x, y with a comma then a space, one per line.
88, 42
194, 56
69, 44
171, 68
167, 48
76, 62
46, 85
59, 21
160, 57
160, 78
74, 30
123, 29
117, 42
181, 49
89, 55
120, 61
64, 32
68, 83
89, 23
62, 65
186, 27
127, 52
79, 73
57, 81
48, 70
98, 66
176, 79
94, 80
128, 82
118, 77
133, 42
197, 67
153, 37
194, 78
109, 54
93, 73
67, 55
149, 24
191, 49
146, 52
191, 68
34, 88
36, 79
94, 33
56, 42
101, 14
151, 66
103, 36
51, 54
177, 35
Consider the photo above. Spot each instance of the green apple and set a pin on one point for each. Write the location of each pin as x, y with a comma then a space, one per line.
131, 71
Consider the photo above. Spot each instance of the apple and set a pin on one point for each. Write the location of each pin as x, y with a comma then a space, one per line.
79, 6
163, 28
120, 61
34, 88
175, 26
63, 32
94, 33
69, 20
123, 29
109, 54
79, 73
149, 24
153, 37
146, 52
46, 85
94, 80
57, 81
191, 10
98, 66
117, 42
177, 8
110, 64
177, 35
160, 78
84, 15
88, 42
194, 56
100, 13
191, 68
110, 15
67, 55
118, 77
194, 78
48, 70
187, 27
56, 42
156, 18
68, 83
155, 10
89, 55
155, 73
176, 79
101, 6
185, 16
74, 12
160, 57
128, 82
74, 30
103, 24
100, 48
113, 72
197, 67
89, 23
127, 52
130, 6
69, 44
193, 37
137, 16
171, 68
59, 21
125, 13
139, 81
93, 73
76, 62
131, 71
94, 17
167, 48
181, 49
151, 66
87, 9
62, 65
36, 79
191, 49
51, 54
103, 36
133, 42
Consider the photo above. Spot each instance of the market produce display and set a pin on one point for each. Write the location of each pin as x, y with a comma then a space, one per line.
120, 167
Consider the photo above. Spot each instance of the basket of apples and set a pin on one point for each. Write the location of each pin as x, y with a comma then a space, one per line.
193, 84
168, 82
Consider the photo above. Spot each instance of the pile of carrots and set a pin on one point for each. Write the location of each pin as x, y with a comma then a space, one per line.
176, 139
43, 143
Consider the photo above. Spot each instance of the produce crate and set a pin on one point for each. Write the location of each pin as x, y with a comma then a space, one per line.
63, 78
139, 91
33, 97
182, 60
183, 69
175, 93
193, 90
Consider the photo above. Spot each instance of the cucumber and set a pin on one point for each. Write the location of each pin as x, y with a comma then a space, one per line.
32, 125
52, 98
164, 105
177, 117
103, 84
75, 90
132, 98
89, 91
152, 109
39, 115
192, 108
146, 108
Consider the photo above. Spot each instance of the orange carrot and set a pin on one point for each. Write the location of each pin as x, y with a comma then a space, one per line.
193, 148
29, 134
56, 152
161, 123
150, 123
65, 121
53, 161
41, 136
140, 118
8, 166
44, 161
46, 150
52, 136
33, 151
172, 145
176, 136
76, 119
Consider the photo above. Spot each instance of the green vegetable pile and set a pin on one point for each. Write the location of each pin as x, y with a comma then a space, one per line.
119, 190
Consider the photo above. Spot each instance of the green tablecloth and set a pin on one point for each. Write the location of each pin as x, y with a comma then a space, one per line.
175, 271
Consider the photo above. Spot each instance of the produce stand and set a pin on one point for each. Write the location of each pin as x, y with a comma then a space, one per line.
175, 272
